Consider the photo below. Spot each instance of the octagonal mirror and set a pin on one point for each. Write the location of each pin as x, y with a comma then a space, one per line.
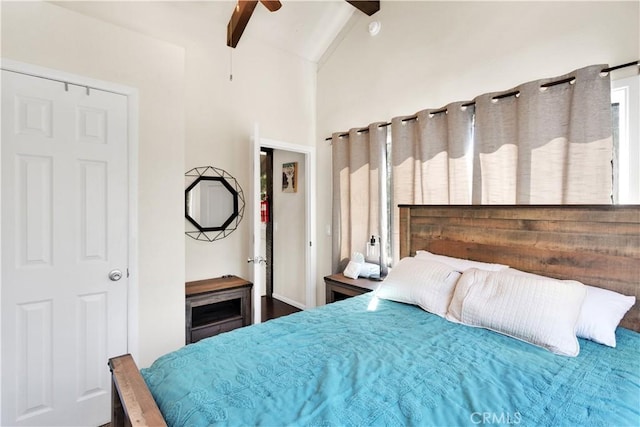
214, 203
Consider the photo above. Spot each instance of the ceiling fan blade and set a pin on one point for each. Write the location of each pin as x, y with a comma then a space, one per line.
272, 5
239, 20
368, 7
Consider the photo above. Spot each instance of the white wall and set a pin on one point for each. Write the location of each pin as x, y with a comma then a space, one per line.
429, 54
50, 36
289, 227
270, 87
191, 114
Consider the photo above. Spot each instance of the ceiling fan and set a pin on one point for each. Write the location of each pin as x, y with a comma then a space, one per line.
244, 9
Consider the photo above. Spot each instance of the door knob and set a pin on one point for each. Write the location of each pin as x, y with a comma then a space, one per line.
115, 275
257, 260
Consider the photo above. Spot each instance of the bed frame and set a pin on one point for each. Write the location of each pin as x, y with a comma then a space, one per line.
596, 245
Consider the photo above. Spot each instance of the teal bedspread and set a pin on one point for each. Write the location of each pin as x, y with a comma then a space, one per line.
345, 365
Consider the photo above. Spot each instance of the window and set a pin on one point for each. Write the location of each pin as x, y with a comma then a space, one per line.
625, 107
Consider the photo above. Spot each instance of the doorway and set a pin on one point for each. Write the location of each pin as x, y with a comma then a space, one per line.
283, 225
307, 160
266, 217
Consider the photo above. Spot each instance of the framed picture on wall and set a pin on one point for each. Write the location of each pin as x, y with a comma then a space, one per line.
290, 177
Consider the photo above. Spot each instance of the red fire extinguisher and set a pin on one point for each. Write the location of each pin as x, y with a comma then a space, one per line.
264, 210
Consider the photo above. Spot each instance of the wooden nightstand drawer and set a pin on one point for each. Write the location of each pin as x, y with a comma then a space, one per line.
216, 305
210, 330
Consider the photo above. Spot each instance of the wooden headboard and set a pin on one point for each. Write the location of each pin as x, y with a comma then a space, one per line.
596, 245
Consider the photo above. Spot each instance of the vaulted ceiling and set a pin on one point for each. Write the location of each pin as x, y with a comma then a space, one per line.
303, 28
244, 10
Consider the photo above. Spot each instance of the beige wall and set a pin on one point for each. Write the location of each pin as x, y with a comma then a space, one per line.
428, 54
47, 35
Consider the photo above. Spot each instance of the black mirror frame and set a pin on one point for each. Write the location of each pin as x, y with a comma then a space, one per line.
229, 188
210, 173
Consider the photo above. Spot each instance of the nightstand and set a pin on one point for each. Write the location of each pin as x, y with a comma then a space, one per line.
339, 287
216, 305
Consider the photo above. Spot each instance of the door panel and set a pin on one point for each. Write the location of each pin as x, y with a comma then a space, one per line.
92, 181
64, 228
256, 268
34, 350
34, 233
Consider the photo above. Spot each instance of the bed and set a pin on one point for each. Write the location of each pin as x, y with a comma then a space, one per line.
371, 361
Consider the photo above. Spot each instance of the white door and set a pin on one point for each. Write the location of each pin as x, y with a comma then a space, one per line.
255, 259
64, 229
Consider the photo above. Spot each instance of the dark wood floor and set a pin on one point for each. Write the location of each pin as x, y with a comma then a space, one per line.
272, 308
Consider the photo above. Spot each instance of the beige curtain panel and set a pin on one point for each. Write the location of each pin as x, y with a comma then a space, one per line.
432, 159
359, 191
431, 155
546, 145
544, 142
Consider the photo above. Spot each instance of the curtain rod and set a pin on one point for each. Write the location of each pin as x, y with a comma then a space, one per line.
504, 95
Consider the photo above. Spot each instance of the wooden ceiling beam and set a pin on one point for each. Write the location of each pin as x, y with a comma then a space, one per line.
239, 19
368, 7
272, 5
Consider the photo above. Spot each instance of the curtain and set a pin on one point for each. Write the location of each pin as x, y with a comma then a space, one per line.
544, 142
546, 145
359, 177
431, 156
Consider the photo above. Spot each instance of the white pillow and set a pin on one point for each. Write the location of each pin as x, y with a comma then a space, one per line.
428, 284
538, 311
601, 313
460, 264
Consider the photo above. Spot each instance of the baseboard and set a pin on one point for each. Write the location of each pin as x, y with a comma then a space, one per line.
289, 301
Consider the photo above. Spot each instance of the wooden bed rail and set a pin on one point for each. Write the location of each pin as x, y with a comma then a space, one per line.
131, 401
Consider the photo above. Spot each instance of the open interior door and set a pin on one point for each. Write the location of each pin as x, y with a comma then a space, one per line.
255, 259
